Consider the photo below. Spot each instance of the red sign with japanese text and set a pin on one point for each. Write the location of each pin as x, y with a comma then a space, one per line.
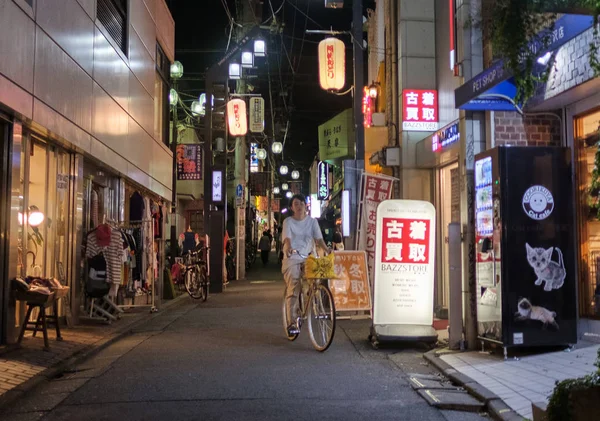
405, 240
404, 263
420, 110
375, 189
350, 289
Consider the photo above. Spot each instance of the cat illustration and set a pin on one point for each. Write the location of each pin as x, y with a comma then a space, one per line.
531, 312
546, 270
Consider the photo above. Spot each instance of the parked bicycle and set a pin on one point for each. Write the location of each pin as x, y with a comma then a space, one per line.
196, 279
317, 307
230, 260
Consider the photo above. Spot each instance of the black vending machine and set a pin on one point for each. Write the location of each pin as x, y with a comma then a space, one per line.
525, 247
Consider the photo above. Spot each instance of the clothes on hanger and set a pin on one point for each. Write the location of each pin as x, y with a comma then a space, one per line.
106, 240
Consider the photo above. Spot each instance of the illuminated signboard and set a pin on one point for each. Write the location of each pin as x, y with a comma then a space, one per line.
447, 136
322, 181
257, 115
217, 186
367, 108
419, 110
253, 157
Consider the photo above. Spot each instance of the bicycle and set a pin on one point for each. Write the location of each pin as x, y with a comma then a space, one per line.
317, 307
196, 279
230, 260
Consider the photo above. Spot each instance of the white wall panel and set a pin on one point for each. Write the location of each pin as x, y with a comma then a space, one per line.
110, 122
151, 5
57, 124
70, 27
15, 97
61, 83
159, 170
17, 45
110, 71
143, 24
141, 104
108, 156
141, 62
90, 7
139, 147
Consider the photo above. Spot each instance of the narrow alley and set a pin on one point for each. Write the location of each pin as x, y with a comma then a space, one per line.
228, 358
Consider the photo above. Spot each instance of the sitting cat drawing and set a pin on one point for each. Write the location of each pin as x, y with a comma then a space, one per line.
531, 312
546, 270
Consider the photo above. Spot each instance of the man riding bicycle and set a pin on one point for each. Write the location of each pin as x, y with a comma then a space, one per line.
300, 232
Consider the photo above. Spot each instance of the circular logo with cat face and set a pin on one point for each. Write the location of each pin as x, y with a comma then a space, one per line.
538, 202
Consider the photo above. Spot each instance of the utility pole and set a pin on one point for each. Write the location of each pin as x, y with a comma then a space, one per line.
174, 247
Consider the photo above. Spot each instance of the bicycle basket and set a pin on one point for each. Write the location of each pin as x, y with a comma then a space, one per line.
320, 267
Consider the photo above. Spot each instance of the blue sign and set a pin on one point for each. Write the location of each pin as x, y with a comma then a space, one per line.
494, 88
441, 139
239, 191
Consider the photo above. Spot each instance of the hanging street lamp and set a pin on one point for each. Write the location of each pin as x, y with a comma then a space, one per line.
295, 175
285, 186
261, 154
176, 70
276, 190
277, 147
283, 170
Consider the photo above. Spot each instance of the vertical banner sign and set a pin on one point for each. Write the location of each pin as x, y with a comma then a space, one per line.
350, 289
217, 186
404, 263
375, 189
322, 180
419, 110
189, 162
257, 115
253, 157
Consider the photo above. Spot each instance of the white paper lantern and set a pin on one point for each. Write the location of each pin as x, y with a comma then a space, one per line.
295, 175
332, 64
236, 117
283, 170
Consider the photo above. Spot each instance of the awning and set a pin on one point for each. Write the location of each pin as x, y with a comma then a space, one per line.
494, 89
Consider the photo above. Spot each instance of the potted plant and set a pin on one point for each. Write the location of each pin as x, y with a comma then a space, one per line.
576, 399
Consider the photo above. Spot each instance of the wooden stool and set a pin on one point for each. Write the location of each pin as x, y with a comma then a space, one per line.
43, 320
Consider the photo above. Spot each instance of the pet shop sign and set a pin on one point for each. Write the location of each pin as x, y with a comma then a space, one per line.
538, 202
404, 263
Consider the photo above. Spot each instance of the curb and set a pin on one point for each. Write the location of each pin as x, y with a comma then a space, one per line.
496, 407
80, 356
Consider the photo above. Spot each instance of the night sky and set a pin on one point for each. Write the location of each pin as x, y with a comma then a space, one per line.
201, 35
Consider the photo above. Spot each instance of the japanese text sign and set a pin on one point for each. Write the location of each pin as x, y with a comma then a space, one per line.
257, 115
404, 263
253, 157
336, 137
189, 162
236, 116
322, 180
419, 110
375, 189
350, 289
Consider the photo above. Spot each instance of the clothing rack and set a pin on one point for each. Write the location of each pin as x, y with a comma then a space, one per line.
147, 224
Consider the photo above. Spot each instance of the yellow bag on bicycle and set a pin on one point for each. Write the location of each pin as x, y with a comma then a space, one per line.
320, 267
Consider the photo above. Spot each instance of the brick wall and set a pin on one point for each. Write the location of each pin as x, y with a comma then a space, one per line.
510, 128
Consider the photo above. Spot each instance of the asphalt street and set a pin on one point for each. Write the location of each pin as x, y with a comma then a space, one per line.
228, 359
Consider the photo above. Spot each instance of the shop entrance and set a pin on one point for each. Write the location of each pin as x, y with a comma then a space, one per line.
448, 211
4, 228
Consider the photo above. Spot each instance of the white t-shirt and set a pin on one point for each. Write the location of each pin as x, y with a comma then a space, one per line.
302, 235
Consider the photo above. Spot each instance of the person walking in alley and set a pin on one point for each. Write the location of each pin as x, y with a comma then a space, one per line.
264, 245
300, 232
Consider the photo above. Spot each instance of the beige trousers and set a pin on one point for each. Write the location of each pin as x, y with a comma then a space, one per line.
293, 287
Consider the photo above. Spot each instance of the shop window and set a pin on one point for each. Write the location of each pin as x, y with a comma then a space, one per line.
161, 97
112, 14
586, 130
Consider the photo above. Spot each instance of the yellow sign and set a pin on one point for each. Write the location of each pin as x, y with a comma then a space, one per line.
351, 291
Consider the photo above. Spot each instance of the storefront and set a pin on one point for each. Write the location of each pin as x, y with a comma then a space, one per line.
440, 153
4, 221
583, 120
39, 229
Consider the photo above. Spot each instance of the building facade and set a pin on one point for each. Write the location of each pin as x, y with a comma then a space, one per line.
84, 127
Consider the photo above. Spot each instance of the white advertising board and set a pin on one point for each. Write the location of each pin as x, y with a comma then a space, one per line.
404, 263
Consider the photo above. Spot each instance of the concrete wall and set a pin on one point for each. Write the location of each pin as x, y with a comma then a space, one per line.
60, 73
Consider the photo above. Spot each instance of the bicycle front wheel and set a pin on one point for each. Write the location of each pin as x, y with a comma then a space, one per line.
192, 283
321, 318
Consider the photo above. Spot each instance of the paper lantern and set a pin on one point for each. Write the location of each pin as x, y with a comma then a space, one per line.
261, 154
295, 175
283, 170
236, 117
277, 147
284, 186
332, 64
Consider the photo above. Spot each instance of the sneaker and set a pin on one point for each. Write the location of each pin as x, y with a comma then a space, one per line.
293, 330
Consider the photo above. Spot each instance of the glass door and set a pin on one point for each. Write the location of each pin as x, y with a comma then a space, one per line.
449, 211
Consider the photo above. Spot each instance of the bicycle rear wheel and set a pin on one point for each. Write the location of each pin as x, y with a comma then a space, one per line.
192, 283
203, 283
287, 322
321, 318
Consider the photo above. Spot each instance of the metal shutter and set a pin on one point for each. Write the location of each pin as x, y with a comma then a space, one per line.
113, 16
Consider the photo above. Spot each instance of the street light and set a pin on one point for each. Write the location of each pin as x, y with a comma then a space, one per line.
295, 175
261, 154
260, 48
283, 170
196, 108
284, 186
173, 97
277, 147
289, 195
374, 90
276, 190
235, 71
247, 59
176, 70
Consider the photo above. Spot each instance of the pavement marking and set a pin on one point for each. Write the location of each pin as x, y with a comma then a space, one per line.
432, 396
